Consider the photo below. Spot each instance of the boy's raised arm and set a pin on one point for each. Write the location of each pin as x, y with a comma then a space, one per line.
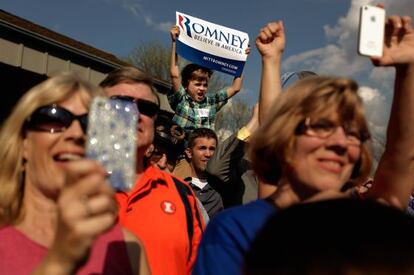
235, 86
237, 82
174, 69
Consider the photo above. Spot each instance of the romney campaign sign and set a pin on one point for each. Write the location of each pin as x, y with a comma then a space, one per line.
210, 45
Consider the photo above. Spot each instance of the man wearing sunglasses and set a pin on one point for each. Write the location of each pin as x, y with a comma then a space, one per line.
168, 142
159, 206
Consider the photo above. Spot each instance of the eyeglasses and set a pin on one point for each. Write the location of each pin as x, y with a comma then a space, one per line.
324, 128
145, 107
54, 119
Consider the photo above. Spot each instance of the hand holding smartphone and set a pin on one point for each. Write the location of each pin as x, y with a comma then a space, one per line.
111, 139
371, 31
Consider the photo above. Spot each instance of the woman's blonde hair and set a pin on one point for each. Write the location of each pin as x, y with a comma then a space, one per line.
53, 90
271, 146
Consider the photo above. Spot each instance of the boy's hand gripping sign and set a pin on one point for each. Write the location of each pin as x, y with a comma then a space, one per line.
213, 46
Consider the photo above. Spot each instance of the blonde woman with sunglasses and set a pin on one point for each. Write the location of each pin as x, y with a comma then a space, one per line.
57, 211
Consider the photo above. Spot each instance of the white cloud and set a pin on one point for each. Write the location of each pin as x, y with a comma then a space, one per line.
376, 107
377, 112
159, 26
383, 78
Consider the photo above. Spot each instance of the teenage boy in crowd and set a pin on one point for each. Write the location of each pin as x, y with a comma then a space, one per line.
202, 143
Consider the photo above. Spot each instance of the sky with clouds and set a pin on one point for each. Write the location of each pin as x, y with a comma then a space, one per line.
321, 34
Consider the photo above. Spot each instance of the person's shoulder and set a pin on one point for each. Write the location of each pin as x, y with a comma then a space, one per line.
175, 178
243, 213
7, 231
239, 223
180, 90
222, 93
217, 93
180, 183
154, 173
219, 97
185, 99
12, 239
253, 207
174, 96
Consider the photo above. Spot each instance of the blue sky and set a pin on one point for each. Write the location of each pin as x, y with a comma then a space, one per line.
321, 34
117, 26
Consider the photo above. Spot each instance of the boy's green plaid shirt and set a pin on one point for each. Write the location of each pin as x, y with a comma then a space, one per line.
190, 114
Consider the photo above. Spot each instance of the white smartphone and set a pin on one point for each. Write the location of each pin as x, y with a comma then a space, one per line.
111, 139
371, 31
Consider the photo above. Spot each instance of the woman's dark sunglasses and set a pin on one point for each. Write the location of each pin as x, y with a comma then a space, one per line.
54, 119
145, 107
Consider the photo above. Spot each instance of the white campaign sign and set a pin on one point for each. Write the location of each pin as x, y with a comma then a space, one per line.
211, 45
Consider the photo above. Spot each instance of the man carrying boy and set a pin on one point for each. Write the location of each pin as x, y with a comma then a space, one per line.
193, 108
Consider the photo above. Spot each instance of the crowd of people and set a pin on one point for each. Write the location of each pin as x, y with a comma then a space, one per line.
284, 183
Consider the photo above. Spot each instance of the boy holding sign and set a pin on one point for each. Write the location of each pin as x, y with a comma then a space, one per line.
193, 108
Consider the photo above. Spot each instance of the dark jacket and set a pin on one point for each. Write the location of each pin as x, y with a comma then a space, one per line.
208, 196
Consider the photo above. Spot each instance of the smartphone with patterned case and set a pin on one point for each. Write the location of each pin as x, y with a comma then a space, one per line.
111, 139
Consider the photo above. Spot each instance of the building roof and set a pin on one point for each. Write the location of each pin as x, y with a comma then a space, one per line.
32, 29
37, 49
